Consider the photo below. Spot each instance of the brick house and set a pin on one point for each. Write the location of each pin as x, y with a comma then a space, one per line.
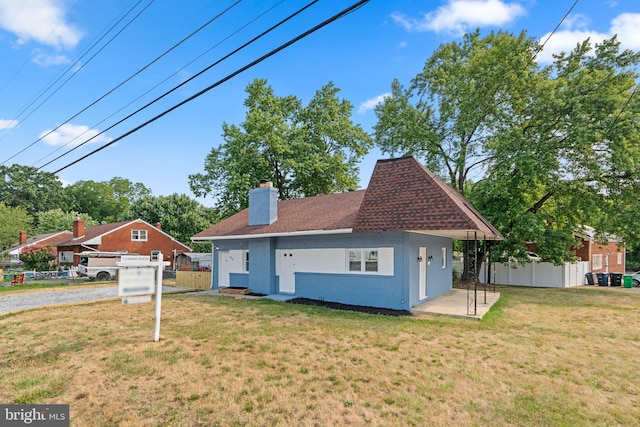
47, 239
134, 236
387, 246
607, 257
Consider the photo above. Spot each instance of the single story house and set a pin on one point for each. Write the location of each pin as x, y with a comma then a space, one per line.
387, 246
133, 236
44, 240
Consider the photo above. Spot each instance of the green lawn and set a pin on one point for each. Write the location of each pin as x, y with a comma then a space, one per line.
541, 357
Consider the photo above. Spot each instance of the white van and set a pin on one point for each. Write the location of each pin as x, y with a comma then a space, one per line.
100, 265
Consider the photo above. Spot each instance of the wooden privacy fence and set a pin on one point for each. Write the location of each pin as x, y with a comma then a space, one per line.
194, 279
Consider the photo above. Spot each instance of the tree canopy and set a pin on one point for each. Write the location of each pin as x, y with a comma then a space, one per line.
12, 222
33, 190
303, 150
104, 201
56, 220
540, 151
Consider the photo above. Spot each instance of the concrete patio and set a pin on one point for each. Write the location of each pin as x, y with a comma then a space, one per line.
454, 303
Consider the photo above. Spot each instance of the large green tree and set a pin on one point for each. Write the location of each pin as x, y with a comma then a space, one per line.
540, 151
58, 220
33, 190
178, 214
303, 150
13, 220
105, 200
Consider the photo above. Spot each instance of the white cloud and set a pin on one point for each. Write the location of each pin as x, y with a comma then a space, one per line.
458, 16
625, 26
8, 124
38, 20
45, 60
370, 104
73, 135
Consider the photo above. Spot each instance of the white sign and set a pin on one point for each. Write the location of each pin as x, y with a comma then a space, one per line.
134, 281
137, 277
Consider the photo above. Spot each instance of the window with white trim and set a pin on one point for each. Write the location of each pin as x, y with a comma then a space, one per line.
596, 260
154, 256
245, 261
619, 258
362, 260
138, 235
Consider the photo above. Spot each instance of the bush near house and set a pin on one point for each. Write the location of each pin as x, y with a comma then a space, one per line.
37, 257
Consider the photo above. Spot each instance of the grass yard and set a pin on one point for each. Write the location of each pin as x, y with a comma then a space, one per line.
541, 357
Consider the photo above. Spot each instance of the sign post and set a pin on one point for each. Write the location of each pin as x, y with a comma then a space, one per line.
136, 283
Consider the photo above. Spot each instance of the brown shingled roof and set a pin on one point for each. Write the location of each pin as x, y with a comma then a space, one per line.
325, 212
402, 195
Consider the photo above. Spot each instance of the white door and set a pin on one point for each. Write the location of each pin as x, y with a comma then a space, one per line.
287, 272
224, 267
423, 272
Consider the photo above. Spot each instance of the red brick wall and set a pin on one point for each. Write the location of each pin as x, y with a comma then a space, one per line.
609, 256
120, 240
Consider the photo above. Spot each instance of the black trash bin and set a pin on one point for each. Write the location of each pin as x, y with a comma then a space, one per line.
590, 279
603, 279
616, 279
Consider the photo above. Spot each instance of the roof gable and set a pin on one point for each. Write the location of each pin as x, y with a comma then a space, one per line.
404, 195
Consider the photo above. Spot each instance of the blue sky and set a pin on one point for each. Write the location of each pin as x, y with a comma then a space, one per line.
360, 53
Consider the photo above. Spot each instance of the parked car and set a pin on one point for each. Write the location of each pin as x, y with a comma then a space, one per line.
636, 279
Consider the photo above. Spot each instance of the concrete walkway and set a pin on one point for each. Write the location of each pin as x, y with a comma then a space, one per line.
454, 303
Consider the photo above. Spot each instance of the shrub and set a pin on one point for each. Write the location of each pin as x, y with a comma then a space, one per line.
37, 257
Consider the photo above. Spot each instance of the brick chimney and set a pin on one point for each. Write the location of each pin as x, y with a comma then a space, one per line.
78, 228
158, 226
263, 204
23, 237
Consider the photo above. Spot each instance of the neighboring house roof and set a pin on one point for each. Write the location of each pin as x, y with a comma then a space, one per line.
402, 196
52, 239
93, 235
589, 233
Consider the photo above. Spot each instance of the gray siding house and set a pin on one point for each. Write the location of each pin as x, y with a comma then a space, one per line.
387, 246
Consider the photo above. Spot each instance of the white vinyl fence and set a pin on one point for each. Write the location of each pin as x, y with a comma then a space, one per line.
538, 274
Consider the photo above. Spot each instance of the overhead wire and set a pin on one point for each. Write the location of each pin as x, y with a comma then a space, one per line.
269, 54
30, 57
253, 40
119, 85
94, 126
74, 66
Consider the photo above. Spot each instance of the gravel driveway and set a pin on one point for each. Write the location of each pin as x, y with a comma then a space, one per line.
18, 302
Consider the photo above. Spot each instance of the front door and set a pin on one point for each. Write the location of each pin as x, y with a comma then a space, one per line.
423, 272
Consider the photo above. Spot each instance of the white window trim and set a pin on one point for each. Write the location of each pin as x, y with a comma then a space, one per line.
246, 262
599, 264
139, 232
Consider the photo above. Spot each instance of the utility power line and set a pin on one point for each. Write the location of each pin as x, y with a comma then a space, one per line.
95, 126
74, 66
253, 40
283, 46
119, 85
